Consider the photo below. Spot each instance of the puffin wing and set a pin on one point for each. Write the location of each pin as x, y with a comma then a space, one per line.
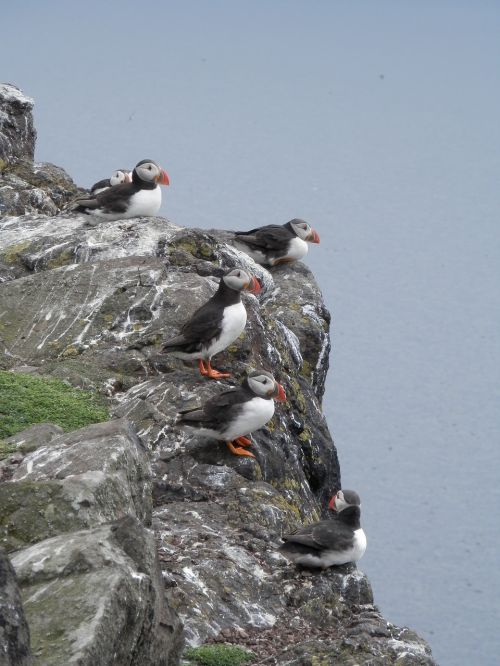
113, 200
218, 411
330, 534
272, 237
198, 331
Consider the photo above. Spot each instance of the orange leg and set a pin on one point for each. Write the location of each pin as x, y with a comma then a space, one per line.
202, 368
214, 374
238, 451
244, 441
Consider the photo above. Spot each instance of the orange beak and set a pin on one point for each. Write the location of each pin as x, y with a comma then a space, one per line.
255, 287
279, 394
313, 237
331, 503
128, 177
163, 178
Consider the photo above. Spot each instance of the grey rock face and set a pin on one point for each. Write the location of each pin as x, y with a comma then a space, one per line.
17, 132
14, 631
79, 479
97, 300
94, 597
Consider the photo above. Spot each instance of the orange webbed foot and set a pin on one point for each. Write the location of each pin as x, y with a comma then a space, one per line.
212, 373
238, 451
244, 441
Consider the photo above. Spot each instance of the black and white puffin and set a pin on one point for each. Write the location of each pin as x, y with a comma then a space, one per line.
237, 412
216, 324
117, 178
277, 244
330, 542
141, 197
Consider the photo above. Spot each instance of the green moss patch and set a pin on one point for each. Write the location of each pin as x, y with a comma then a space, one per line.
6, 449
26, 400
33, 512
219, 655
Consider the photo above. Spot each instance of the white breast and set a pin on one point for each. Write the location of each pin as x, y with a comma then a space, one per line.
233, 324
255, 413
142, 203
297, 249
353, 554
145, 203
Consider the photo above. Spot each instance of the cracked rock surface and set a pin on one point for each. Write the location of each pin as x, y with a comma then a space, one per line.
132, 538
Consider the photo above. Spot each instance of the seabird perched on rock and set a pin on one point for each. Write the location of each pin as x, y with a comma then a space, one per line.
216, 324
329, 542
277, 244
237, 412
117, 178
141, 197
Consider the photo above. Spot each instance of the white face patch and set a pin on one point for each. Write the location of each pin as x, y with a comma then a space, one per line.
117, 178
261, 384
237, 279
148, 171
302, 229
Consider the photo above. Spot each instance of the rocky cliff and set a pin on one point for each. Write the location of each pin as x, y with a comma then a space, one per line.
131, 539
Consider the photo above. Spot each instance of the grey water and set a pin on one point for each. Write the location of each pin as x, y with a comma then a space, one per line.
378, 122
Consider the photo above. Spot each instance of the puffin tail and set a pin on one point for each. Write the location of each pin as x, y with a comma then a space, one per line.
174, 344
190, 417
82, 205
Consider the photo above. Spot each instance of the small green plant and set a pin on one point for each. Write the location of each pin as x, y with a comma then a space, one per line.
26, 400
219, 655
6, 449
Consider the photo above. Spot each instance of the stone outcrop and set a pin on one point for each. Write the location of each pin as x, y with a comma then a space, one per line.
26, 186
76, 518
17, 132
96, 510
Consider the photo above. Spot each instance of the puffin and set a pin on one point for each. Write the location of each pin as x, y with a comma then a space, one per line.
329, 542
216, 324
277, 244
117, 178
141, 197
232, 414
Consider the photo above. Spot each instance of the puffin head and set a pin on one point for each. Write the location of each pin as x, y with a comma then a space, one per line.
344, 499
149, 172
264, 385
238, 279
120, 176
304, 230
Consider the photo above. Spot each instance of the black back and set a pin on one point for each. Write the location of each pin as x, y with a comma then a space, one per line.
273, 237
106, 182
